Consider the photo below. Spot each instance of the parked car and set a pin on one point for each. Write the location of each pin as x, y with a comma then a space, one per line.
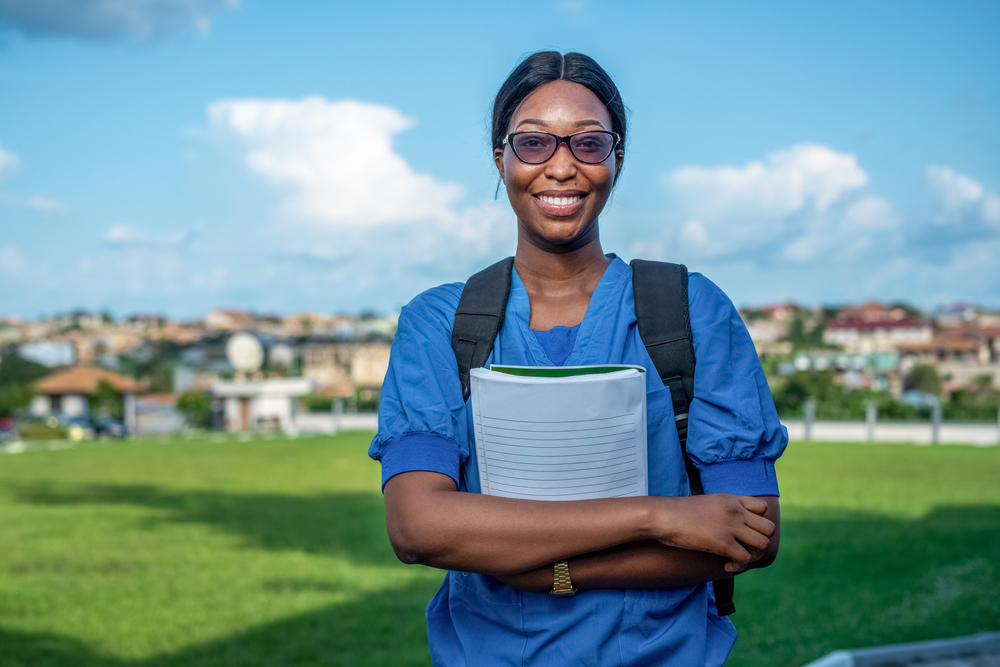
110, 428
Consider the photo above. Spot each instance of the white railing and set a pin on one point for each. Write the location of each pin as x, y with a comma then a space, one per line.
920, 433
328, 422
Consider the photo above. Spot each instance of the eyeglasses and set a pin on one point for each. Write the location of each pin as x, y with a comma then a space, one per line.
589, 147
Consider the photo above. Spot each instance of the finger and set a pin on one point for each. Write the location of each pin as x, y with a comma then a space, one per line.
733, 567
752, 539
753, 504
738, 554
760, 524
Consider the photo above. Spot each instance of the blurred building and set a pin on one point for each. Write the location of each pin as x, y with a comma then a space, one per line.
962, 354
222, 319
859, 335
262, 404
68, 393
356, 365
10, 329
306, 323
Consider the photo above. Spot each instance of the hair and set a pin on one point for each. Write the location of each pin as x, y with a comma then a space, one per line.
545, 67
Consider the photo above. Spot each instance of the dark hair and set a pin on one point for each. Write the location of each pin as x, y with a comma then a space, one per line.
545, 67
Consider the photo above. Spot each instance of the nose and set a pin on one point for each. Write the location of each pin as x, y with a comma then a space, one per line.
561, 166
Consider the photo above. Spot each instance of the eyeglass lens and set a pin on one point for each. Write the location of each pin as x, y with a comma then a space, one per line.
588, 147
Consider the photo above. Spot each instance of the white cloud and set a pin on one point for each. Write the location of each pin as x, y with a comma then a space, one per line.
44, 205
13, 263
803, 223
335, 161
795, 205
805, 175
9, 162
961, 200
694, 235
122, 236
107, 20
352, 209
871, 212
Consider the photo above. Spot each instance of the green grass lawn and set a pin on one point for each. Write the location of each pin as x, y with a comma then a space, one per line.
273, 552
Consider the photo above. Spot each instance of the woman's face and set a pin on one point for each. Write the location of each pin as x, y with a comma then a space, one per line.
557, 203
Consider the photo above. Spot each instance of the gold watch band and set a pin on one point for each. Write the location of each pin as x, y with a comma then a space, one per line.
562, 585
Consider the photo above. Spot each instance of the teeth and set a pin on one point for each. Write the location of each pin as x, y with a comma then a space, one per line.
560, 201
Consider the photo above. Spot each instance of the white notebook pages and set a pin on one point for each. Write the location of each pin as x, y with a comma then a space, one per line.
560, 433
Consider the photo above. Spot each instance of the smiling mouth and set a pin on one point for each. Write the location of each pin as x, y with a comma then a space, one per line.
560, 201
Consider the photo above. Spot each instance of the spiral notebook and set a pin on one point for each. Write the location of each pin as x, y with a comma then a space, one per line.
560, 433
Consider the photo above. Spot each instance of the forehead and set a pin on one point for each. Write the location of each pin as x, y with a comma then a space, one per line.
561, 104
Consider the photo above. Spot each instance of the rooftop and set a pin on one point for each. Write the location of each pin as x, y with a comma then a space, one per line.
84, 380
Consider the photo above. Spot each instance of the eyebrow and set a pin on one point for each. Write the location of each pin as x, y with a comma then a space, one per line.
579, 123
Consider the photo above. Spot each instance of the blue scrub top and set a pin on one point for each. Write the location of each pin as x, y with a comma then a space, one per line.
734, 439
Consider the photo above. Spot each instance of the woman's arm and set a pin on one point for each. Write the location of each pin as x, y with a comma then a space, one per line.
647, 564
431, 523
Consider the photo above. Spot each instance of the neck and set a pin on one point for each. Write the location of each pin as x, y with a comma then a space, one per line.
546, 273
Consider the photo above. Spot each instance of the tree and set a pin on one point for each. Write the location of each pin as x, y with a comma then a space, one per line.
196, 407
106, 401
161, 378
15, 369
911, 312
13, 398
17, 377
924, 377
790, 397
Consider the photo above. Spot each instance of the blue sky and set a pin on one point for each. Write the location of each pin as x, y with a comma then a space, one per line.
179, 155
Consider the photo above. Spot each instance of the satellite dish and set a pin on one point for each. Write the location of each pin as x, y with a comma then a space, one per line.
282, 355
245, 353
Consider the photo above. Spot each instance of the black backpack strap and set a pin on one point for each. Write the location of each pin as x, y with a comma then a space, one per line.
661, 312
660, 291
479, 317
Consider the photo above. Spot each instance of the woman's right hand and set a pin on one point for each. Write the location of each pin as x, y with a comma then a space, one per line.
720, 523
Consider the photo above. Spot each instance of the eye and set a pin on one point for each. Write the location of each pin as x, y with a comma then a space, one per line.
592, 143
532, 140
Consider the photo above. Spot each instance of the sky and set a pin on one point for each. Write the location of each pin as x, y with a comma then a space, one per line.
175, 156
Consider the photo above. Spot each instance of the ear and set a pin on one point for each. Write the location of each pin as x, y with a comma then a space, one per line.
498, 159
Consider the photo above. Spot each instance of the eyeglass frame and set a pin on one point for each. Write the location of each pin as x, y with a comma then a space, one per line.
561, 140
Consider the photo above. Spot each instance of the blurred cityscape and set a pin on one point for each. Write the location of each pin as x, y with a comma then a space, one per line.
81, 373
148, 373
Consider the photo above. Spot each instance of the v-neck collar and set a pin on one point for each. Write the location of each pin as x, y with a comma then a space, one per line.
519, 313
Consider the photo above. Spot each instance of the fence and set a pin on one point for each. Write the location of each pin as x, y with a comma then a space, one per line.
932, 432
331, 422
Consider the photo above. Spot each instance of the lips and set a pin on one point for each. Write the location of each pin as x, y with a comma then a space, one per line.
560, 204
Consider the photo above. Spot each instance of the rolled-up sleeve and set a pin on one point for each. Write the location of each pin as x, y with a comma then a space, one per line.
734, 432
421, 410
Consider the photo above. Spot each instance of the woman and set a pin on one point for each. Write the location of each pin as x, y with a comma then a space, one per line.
641, 565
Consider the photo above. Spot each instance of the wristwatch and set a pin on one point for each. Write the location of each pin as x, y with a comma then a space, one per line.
562, 585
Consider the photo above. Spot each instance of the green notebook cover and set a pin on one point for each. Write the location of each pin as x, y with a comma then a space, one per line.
562, 371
